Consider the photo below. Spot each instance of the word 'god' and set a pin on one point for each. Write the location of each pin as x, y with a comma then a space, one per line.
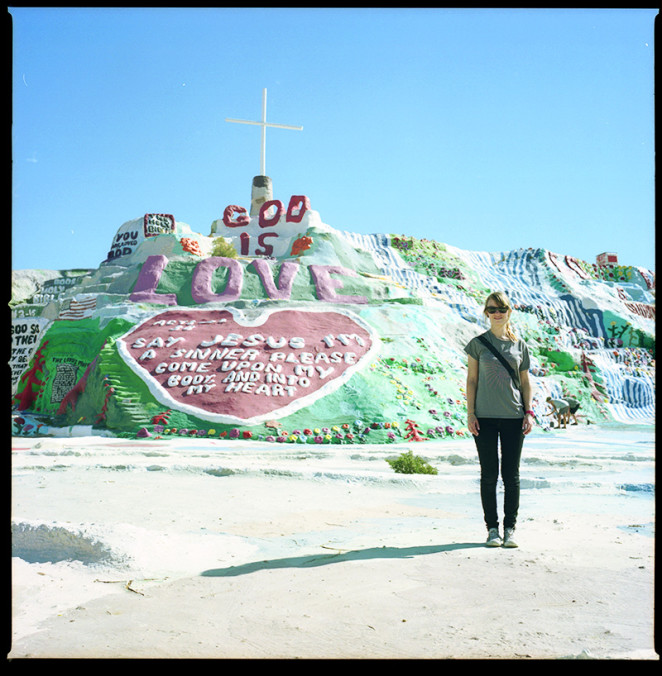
268, 217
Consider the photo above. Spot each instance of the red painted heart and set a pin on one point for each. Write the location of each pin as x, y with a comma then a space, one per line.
222, 367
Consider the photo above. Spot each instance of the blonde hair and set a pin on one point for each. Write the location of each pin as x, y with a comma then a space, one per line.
500, 299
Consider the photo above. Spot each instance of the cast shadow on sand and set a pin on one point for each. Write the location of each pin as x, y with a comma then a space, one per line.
312, 561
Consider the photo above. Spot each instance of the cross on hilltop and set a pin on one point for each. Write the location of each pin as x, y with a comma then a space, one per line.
264, 124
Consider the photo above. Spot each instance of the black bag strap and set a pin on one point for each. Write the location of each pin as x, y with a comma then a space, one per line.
501, 358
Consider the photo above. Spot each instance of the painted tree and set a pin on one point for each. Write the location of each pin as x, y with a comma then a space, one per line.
71, 398
413, 433
31, 381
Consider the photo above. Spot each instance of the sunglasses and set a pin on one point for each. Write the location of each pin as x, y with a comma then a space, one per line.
492, 310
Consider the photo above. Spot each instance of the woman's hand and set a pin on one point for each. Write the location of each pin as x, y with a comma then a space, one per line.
525, 383
472, 383
527, 424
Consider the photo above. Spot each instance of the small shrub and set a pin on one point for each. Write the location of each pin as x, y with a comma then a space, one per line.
408, 463
223, 249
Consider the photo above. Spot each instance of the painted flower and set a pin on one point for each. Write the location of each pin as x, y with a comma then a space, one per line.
191, 246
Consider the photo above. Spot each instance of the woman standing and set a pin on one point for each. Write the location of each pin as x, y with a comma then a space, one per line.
499, 409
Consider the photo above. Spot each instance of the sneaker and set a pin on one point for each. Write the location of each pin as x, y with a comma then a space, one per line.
509, 538
493, 538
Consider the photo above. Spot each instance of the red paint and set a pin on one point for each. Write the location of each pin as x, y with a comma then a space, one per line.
240, 220
31, 379
300, 245
300, 202
71, 398
212, 364
266, 222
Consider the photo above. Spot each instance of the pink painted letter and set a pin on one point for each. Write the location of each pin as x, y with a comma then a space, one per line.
201, 284
288, 271
326, 287
145, 289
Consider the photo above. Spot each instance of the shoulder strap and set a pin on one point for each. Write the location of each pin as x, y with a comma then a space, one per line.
500, 357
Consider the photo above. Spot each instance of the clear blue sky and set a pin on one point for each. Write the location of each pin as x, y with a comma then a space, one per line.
489, 130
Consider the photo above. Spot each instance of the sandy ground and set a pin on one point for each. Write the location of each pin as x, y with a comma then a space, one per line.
195, 549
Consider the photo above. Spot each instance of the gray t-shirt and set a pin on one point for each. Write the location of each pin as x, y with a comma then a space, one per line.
496, 394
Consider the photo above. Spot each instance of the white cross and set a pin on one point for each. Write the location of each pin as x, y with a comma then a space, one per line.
264, 124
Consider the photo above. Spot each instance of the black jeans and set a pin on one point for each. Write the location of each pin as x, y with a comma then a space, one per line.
509, 432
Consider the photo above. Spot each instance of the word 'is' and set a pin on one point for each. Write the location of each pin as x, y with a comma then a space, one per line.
269, 215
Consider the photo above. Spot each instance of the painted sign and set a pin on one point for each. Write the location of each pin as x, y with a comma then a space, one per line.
325, 279
223, 367
127, 238
26, 334
272, 233
158, 224
133, 233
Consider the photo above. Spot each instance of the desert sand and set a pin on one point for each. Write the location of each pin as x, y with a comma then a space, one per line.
193, 548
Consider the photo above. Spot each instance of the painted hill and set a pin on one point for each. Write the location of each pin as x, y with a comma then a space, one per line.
279, 327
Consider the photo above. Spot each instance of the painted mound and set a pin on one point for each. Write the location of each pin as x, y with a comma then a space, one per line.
278, 327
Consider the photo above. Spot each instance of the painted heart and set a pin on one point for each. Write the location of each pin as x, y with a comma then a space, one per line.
222, 367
